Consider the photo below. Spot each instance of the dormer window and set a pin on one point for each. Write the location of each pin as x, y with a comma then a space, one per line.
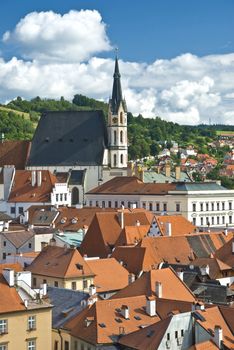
74, 220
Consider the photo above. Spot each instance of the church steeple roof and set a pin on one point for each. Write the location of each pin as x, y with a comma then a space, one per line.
117, 90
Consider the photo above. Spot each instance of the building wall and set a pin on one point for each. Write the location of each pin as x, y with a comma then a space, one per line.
18, 332
62, 283
7, 248
61, 194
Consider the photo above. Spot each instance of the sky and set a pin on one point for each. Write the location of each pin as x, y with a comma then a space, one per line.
176, 57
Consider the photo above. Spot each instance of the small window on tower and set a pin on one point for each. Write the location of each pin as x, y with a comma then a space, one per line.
121, 136
121, 117
121, 159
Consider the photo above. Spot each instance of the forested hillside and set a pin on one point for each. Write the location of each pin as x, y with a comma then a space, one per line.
145, 134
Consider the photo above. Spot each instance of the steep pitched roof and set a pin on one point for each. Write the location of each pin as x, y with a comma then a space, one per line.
105, 229
60, 262
104, 279
172, 286
23, 191
179, 225
14, 153
134, 259
130, 235
10, 300
225, 254
18, 238
69, 138
117, 97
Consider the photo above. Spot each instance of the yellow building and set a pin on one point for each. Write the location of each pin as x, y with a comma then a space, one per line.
25, 318
61, 267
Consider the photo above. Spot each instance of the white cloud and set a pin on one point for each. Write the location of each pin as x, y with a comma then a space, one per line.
48, 36
59, 60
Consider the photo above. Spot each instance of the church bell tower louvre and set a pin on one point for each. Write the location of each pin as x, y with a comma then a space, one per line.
117, 124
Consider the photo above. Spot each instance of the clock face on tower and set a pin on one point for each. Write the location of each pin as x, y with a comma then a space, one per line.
115, 120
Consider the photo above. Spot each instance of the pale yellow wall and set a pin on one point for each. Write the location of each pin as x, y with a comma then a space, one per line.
62, 283
18, 333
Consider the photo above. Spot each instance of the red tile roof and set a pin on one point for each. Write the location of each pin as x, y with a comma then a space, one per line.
179, 225
10, 300
14, 153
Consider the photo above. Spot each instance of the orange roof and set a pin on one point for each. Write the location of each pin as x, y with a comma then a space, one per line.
104, 279
134, 259
213, 317
60, 262
14, 153
16, 267
23, 191
179, 225
215, 266
172, 286
225, 253
132, 185
131, 235
105, 229
10, 301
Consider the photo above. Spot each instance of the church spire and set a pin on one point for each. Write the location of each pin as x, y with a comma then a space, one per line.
117, 90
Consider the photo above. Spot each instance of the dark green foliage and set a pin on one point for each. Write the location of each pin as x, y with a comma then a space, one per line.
15, 127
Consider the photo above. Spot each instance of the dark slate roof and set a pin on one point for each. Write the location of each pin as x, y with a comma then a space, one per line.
77, 177
117, 97
66, 302
210, 292
5, 217
69, 138
203, 186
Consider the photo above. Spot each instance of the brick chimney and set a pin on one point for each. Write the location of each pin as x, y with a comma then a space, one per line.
151, 306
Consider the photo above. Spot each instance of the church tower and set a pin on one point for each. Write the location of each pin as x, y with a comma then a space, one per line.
117, 124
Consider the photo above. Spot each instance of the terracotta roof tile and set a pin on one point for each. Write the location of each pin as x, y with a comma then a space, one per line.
131, 235
104, 279
14, 153
10, 300
60, 262
179, 225
23, 191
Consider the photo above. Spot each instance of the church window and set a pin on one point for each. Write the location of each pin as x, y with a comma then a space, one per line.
121, 159
115, 160
115, 137
121, 136
75, 196
121, 117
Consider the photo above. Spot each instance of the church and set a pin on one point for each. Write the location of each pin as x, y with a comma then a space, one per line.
82, 145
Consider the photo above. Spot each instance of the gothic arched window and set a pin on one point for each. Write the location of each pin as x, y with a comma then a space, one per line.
121, 136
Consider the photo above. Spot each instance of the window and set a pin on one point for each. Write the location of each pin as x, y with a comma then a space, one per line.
57, 197
66, 345
34, 281
207, 221
4, 255
182, 332
121, 117
30, 245
201, 206
143, 205
3, 326
12, 210
73, 285
116, 204
103, 204
115, 137
96, 203
223, 205
115, 160
177, 207
121, 136
3, 346
194, 221
223, 220
121, 159
109, 204
90, 203
157, 206
150, 206
207, 206
65, 197
212, 220
44, 281
168, 336
31, 322
85, 284
61, 197
56, 283
218, 206
75, 345
176, 334
31, 344
4, 244
230, 219
194, 207
56, 345
202, 221
21, 210
212, 206
164, 206
217, 220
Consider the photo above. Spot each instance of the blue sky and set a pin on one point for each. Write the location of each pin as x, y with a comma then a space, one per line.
177, 57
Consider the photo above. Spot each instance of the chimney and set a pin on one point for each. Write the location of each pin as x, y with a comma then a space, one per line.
218, 336
131, 278
151, 306
121, 217
168, 228
39, 178
92, 290
33, 180
9, 276
226, 232
167, 170
138, 223
158, 289
43, 287
177, 173
88, 321
205, 270
125, 311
